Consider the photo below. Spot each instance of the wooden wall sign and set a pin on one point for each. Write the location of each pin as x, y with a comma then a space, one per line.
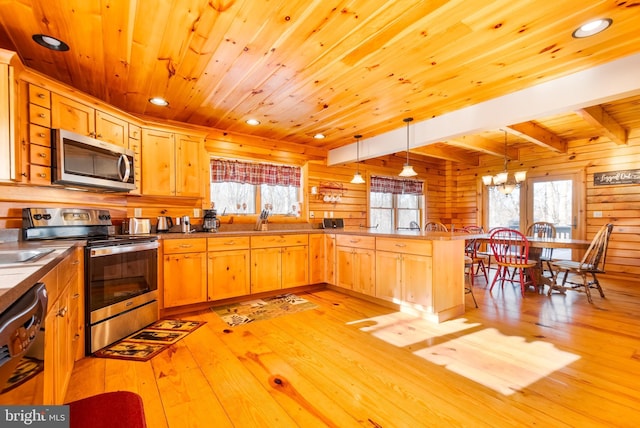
629, 176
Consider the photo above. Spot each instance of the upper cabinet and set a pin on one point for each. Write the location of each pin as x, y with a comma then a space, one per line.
171, 164
8, 160
85, 120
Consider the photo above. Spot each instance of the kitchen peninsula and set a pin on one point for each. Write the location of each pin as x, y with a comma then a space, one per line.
419, 272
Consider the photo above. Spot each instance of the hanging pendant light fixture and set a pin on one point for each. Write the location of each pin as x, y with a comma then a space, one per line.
505, 182
407, 170
357, 177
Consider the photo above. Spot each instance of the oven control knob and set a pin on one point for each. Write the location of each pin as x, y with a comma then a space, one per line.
37, 217
47, 216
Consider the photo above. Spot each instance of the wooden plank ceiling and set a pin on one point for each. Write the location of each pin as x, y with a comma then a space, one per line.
336, 67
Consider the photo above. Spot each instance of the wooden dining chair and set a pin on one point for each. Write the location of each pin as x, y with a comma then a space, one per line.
471, 250
592, 263
543, 229
435, 226
468, 270
511, 250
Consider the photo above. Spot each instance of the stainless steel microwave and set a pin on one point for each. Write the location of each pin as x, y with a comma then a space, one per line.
83, 161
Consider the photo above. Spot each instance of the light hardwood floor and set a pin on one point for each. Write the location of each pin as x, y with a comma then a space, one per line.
537, 361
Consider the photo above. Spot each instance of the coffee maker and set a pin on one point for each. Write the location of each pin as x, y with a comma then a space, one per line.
210, 222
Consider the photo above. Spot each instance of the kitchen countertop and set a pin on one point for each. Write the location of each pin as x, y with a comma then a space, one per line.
17, 278
412, 234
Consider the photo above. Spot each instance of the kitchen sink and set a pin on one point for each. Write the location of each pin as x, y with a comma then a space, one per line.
22, 256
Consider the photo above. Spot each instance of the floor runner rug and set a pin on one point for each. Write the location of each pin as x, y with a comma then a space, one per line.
27, 368
150, 341
262, 309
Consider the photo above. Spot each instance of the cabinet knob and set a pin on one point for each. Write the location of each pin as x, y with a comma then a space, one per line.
42, 155
92, 134
42, 175
41, 135
62, 312
42, 115
40, 95
230, 243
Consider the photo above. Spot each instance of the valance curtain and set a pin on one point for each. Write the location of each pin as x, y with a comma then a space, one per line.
396, 186
254, 173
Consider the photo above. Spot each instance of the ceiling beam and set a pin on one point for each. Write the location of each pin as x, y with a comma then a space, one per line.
534, 133
447, 154
600, 119
484, 145
567, 93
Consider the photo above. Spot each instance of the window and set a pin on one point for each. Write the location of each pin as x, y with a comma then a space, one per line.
504, 210
395, 203
247, 188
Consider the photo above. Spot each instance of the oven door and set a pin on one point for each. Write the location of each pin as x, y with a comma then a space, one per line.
121, 291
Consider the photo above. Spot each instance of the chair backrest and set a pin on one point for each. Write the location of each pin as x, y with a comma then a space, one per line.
509, 246
472, 245
543, 229
596, 255
435, 226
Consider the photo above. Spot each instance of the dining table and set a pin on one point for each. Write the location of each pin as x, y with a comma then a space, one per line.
536, 245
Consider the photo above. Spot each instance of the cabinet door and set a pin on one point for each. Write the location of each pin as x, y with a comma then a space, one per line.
185, 279
295, 266
389, 276
416, 277
158, 163
317, 259
188, 154
330, 258
365, 281
345, 267
228, 273
266, 269
111, 129
72, 116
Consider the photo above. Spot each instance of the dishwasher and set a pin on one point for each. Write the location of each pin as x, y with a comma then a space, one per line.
20, 326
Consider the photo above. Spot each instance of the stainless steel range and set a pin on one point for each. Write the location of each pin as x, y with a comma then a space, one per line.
121, 287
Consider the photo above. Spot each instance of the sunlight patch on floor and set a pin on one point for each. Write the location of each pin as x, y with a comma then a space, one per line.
503, 363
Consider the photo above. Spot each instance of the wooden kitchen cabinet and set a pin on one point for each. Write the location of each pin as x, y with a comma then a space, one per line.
356, 263
82, 119
228, 267
322, 258
404, 270
171, 164
184, 271
63, 325
279, 261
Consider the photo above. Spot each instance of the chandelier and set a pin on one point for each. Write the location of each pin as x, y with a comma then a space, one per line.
505, 182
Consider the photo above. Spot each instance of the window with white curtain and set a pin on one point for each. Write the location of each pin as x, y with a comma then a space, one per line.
247, 188
395, 203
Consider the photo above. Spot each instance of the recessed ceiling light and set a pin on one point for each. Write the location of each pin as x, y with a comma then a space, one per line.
319, 136
591, 28
253, 122
50, 42
159, 101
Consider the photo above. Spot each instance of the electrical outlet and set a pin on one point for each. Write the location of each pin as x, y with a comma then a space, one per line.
312, 214
597, 214
137, 212
196, 212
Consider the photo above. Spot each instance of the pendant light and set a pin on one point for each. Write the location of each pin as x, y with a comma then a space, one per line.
407, 170
357, 177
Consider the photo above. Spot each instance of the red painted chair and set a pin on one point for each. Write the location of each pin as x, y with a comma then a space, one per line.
511, 251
